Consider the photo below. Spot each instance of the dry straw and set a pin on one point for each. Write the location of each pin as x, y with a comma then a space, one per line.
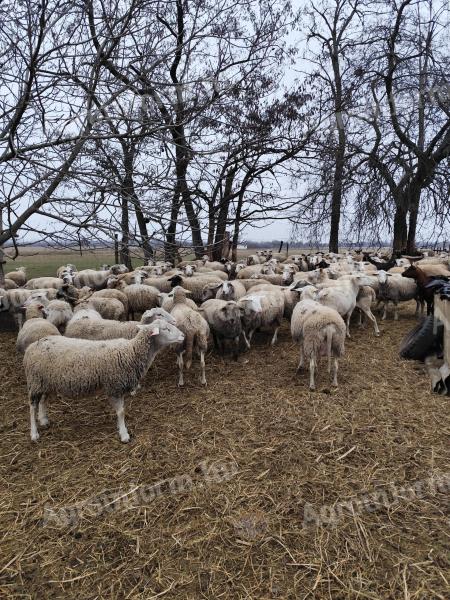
242, 538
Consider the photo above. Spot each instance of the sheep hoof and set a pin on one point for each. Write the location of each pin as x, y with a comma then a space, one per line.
312, 388
34, 437
125, 438
44, 422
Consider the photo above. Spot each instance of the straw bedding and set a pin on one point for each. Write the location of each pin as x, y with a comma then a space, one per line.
255, 453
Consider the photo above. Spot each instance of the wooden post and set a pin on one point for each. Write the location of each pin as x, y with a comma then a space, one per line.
2, 254
116, 248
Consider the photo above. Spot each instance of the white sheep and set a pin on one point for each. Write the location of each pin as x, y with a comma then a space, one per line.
165, 301
9, 284
196, 332
261, 309
88, 326
59, 314
109, 308
195, 285
395, 288
35, 327
227, 290
318, 330
77, 368
224, 320
19, 276
44, 282
342, 294
13, 301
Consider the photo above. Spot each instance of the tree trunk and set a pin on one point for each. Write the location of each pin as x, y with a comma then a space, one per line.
336, 198
170, 250
413, 214
125, 241
400, 229
237, 224
2, 254
223, 216
197, 241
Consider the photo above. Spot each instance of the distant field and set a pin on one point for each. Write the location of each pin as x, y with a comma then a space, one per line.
45, 261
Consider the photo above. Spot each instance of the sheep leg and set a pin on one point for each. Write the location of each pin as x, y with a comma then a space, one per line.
300, 362
395, 311
334, 382
42, 412
118, 404
275, 336
312, 385
236, 348
360, 322
180, 369
202, 365
20, 321
369, 314
383, 318
347, 322
34, 402
247, 343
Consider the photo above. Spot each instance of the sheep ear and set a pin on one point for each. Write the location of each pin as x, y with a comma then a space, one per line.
154, 331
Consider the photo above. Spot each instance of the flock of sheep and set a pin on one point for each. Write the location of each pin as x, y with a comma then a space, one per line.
79, 335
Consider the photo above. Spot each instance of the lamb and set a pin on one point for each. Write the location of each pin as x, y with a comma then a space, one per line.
75, 368
261, 309
247, 272
59, 314
228, 290
214, 265
201, 272
318, 330
88, 326
69, 268
166, 302
195, 285
140, 298
39, 283
395, 289
250, 283
13, 300
35, 327
96, 280
109, 308
136, 276
196, 333
19, 276
285, 278
224, 320
111, 293
364, 300
342, 295
10, 284
163, 284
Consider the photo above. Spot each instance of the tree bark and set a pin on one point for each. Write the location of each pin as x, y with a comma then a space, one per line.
413, 214
2, 254
336, 198
170, 250
223, 216
125, 241
400, 229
